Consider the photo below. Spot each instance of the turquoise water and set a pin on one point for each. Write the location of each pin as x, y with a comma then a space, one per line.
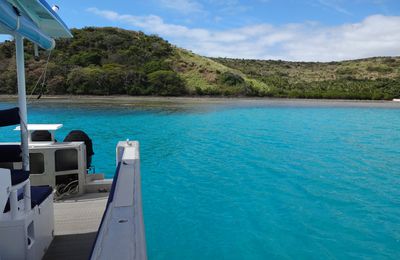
255, 180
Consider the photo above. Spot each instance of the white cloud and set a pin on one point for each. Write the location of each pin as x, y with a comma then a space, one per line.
376, 35
335, 5
230, 7
184, 6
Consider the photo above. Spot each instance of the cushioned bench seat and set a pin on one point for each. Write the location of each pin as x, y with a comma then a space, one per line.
9, 117
18, 176
10, 153
38, 195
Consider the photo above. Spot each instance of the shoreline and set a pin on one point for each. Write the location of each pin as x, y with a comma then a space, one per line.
200, 100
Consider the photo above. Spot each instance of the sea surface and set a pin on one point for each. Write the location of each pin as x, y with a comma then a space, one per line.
253, 179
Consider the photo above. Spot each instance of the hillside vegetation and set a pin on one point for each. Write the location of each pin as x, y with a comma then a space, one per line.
111, 61
373, 78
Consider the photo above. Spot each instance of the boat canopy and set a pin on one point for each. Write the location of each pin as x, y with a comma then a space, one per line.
34, 20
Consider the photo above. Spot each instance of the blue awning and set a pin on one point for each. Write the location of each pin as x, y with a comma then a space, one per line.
45, 18
34, 20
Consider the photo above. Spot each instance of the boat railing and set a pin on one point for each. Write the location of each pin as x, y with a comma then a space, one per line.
121, 234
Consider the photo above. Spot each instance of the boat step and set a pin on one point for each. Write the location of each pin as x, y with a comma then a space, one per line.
103, 185
94, 176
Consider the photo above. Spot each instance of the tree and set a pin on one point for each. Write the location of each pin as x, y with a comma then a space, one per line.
166, 83
86, 59
230, 79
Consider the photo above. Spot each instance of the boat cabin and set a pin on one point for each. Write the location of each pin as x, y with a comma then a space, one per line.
62, 164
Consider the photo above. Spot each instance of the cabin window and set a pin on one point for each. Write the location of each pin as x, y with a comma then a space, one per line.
66, 160
36, 163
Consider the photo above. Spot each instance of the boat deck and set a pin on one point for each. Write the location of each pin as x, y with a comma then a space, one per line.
76, 223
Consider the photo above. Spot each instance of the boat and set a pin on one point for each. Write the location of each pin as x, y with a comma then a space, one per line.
53, 205
396, 100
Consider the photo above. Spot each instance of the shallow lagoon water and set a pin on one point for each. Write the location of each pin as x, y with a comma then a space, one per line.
254, 180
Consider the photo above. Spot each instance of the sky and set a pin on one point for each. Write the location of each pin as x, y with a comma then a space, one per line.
295, 30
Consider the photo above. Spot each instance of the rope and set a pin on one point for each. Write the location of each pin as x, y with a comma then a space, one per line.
63, 190
44, 74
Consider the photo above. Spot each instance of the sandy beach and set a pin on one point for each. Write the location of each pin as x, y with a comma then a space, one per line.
157, 101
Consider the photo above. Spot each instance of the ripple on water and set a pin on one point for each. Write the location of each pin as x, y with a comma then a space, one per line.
255, 181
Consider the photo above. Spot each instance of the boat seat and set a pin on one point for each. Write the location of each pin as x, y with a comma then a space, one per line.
9, 117
38, 195
18, 176
10, 153
41, 136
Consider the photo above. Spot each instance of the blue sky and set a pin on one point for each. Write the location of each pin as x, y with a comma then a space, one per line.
310, 30
214, 14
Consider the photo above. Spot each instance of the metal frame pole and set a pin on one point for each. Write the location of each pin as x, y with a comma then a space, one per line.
19, 47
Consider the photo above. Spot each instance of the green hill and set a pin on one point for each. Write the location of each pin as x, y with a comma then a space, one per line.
373, 78
111, 61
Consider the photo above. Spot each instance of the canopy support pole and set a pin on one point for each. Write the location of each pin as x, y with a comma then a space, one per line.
19, 47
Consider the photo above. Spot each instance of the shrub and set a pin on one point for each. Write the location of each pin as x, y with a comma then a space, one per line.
380, 69
230, 79
155, 65
86, 58
166, 83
